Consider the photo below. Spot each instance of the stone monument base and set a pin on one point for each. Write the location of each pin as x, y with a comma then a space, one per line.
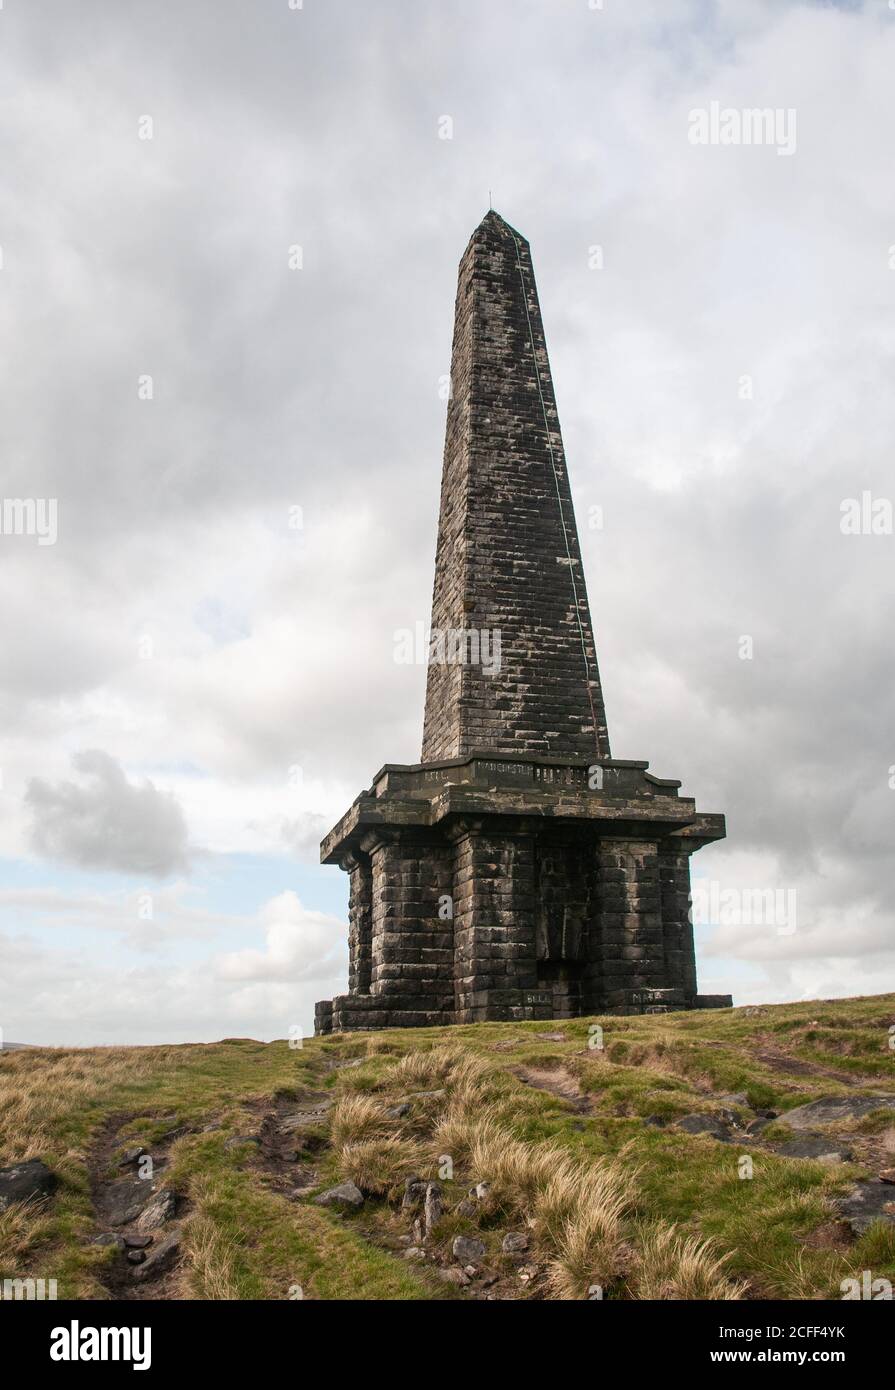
498, 886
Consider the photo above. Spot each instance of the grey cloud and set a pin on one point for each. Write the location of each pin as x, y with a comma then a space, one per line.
319, 388
107, 822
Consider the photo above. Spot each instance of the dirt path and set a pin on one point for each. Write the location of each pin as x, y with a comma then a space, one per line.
136, 1211
796, 1066
559, 1083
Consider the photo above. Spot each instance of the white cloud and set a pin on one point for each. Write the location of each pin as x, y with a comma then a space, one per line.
300, 945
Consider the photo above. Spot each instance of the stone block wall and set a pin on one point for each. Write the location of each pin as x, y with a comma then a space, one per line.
496, 921
508, 557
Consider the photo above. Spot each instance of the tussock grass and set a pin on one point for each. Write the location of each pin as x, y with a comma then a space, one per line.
357, 1118
673, 1265
380, 1166
22, 1228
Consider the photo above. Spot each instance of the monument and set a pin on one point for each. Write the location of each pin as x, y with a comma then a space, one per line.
518, 871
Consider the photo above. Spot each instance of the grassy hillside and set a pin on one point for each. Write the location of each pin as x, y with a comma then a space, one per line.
577, 1148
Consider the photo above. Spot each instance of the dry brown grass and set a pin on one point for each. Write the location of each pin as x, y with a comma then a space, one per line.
209, 1271
22, 1227
379, 1166
576, 1208
357, 1117
672, 1265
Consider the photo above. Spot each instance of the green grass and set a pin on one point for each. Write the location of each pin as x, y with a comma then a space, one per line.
245, 1239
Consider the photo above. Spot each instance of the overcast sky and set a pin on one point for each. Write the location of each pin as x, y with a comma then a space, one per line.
193, 688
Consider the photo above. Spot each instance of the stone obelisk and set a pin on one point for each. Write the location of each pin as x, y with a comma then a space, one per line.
518, 870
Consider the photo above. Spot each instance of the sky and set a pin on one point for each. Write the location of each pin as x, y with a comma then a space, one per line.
229, 233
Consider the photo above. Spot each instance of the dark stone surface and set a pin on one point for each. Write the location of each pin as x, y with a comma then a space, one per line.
26, 1182
160, 1258
867, 1202
816, 1146
705, 1124
518, 871
506, 499
831, 1110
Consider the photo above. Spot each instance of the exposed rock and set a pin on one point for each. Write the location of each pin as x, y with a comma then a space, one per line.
346, 1194
816, 1146
831, 1109
414, 1192
158, 1211
109, 1238
736, 1098
130, 1156
432, 1206
238, 1140
756, 1126
136, 1257
514, 1243
414, 1253
160, 1258
125, 1199
305, 1117
137, 1242
397, 1112
480, 1191
467, 1249
25, 1182
551, 1037
467, 1208
705, 1124
887, 1175
867, 1202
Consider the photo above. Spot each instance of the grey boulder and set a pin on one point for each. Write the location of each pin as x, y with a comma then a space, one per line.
710, 1125
467, 1250
160, 1258
25, 1182
346, 1194
159, 1210
829, 1110
816, 1146
867, 1202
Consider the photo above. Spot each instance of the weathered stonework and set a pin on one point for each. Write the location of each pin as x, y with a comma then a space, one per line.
518, 871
